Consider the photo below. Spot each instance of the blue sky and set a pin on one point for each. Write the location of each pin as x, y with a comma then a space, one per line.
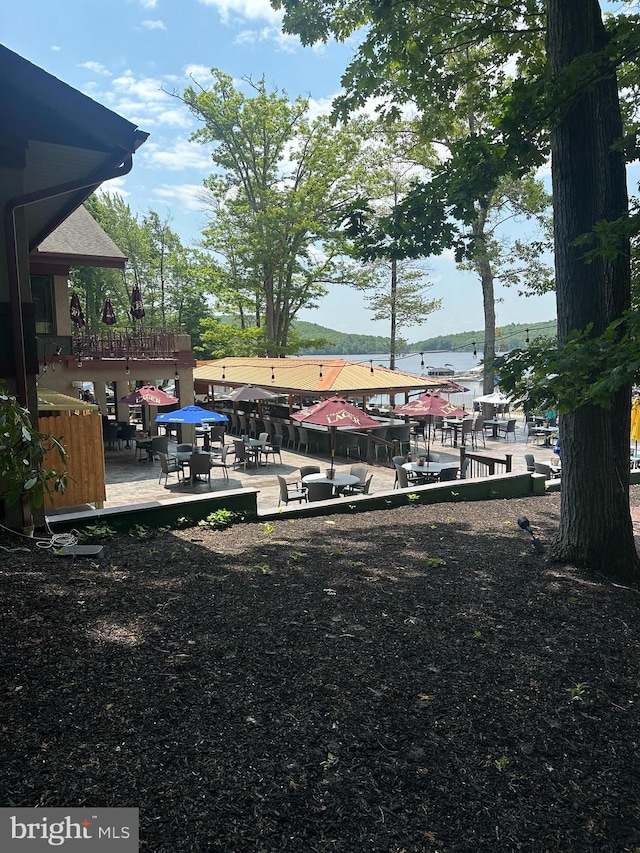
124, 53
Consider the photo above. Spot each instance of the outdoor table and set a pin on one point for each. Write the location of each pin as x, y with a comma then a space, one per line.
433, 468
339, 481
547, 432
145, 444
456, 423
255, 447
184, 456
494, 423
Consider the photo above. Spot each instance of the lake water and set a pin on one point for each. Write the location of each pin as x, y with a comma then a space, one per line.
461, 362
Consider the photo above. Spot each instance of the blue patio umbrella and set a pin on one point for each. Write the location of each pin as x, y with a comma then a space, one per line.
191, 415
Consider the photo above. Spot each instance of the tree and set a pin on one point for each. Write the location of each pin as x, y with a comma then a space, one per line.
566, 88
278, 201
175, 281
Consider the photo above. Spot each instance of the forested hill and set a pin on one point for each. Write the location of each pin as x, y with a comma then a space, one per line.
329, 342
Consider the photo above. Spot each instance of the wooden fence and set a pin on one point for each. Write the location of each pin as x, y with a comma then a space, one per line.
81, 436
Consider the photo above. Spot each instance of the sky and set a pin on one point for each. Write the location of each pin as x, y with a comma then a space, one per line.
129, 55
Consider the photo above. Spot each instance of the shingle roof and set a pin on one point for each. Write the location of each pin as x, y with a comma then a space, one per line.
80, 239
321, 377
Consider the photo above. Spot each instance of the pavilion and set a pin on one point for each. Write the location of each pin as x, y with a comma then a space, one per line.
301, 378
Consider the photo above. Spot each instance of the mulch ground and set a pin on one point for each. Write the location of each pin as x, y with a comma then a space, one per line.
416, 679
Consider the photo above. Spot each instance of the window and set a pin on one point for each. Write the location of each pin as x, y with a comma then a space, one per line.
42, 292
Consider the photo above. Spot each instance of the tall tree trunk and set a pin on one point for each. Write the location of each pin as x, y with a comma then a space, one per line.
589, 185
394, 322
489, 303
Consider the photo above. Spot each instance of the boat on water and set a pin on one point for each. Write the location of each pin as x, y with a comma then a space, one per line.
439, 372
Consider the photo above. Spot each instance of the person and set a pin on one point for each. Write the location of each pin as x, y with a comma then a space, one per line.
87, 396
557, 449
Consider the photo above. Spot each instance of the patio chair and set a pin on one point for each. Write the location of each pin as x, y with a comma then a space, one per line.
273, 449
200, 466
449, 474
292, 440
478, 432
303, 439
126, 434
508, 429
402, 480
241, 456
308, 469
466, 432
159, 444
319, 491
168, 465
531, 463
290, 491
542, 468
110, 435
362, 487
220, 462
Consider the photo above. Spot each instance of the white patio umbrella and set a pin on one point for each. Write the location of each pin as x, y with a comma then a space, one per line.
496, 398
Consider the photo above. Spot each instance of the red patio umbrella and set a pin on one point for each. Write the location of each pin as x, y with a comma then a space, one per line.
335, 414
149, 395
429, 404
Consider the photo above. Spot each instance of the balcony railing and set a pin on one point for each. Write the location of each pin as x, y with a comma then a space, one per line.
143, 345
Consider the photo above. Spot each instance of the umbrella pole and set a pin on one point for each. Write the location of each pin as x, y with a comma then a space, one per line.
333, 449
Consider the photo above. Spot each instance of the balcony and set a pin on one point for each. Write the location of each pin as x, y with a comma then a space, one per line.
159, 344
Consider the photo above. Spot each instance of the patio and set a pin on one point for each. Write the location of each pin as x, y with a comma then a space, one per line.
130, 482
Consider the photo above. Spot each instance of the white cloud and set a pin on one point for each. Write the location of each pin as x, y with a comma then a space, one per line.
154, 25
181, 155
283, 41
198, 72
96, 67
113, 187
189, 196
148, 4
252, 10
147, 89
55, 47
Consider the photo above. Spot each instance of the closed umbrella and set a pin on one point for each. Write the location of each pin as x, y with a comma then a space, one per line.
149, 395
137, 308
335, 414
635, 421
108, 314
75, 311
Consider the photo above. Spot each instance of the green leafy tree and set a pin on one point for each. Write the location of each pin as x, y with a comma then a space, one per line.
278, 201
560, 95
176, 282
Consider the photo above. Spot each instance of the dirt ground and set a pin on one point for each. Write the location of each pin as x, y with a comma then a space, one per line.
416, 679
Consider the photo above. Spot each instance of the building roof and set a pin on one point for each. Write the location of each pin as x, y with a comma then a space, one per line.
50, 401
79, 241
66, 143
320, 377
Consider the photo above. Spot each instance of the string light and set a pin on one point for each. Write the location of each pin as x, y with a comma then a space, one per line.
526, 340
79, 361
127, 369
176, 375
371, 365
223, 370
273, 376
321, 366
475, 351
421, 359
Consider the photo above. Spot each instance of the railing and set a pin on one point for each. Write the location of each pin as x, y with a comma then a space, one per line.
481, 465
143, 345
